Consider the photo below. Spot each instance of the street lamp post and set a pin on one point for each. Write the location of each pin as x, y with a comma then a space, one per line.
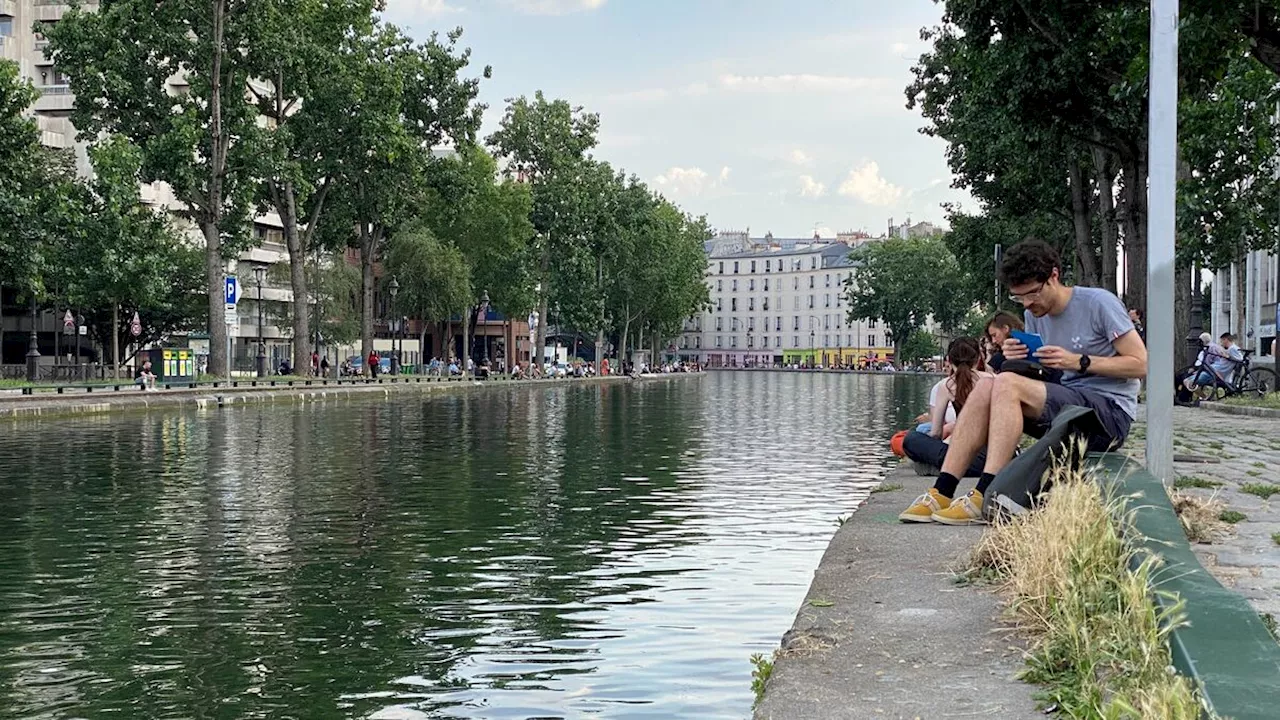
260, 274
812, 364
750, 349
394, 289
33, 345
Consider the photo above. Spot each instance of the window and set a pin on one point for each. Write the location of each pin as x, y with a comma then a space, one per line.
813, 263
810, 282
795, 341
826, 341
753, 266
766, 265
777, 341
719, 324
826, 299
839, 297
871, 324
719, 304
826, 322
721, 268
697, 341
766, 284
828, 279
871, 341
733, 341
810, 302
796, 304
735, 267
733, 305
751, 303
795, 322
719, 341
720, 285
751, 285
764, 341
764, 304
734, 285
777, 324
795, 283
6, 26
751, 323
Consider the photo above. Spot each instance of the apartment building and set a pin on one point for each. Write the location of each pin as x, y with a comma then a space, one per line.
780, 301
1258, 315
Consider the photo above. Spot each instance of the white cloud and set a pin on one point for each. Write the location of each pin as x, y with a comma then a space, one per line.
689, 181
422, 8
899, 47
811, 188
554, 7
800, 157
797, 83
696, 89
864, 183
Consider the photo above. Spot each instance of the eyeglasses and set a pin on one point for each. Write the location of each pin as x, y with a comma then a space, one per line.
1019, 297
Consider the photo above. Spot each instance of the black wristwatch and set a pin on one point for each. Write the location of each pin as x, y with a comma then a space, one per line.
1084, 364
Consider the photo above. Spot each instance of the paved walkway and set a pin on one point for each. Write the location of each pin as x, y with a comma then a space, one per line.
1236, 451
886, 633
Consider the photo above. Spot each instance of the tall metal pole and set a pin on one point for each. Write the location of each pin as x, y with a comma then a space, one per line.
1161, 229
33, 345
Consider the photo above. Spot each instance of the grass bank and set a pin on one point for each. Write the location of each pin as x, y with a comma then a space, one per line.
1082, 594
1271, 400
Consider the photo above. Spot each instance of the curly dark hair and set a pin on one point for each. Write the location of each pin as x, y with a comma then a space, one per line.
1031, 260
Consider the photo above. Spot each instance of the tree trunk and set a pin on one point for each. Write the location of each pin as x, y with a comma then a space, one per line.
287, 207
115, 341
1182, 279
219, 363
1106, 217
1087, 265
600, 298
623, 355
367, 248
1135, 192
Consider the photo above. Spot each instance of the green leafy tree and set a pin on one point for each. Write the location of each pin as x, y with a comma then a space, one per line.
198, 136
124, 257
905, 282
434, 276
545, 143
20, 216
920, 345
304, 57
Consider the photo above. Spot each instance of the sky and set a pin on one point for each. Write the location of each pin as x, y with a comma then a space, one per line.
782, 116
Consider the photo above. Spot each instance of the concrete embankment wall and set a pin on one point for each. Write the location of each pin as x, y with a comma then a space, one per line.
37, 406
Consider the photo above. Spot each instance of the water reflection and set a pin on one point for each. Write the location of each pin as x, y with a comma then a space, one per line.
611, 551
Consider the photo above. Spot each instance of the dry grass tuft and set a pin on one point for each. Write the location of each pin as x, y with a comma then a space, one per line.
1200, 517
1099, 641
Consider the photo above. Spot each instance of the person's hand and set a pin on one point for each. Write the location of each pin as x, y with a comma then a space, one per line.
1013, 350
922, 418
1052, 356
947, 429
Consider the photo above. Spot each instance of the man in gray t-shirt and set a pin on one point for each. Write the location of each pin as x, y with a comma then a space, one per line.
1087, 335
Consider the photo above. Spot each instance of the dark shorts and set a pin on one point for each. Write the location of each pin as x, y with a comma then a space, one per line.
1115, 423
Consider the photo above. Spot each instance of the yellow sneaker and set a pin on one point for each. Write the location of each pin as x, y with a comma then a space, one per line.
966, 510
923, 509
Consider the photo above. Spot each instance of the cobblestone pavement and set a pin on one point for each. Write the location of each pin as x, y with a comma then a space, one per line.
1240, 453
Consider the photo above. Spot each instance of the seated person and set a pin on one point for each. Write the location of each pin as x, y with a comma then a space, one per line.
928, 449
924, 421
998, 329
1217, 363
143, 377
1087, 335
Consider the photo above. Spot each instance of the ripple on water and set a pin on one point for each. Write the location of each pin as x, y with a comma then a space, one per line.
603, 551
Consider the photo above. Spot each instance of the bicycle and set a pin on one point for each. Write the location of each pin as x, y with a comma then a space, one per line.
1245, 379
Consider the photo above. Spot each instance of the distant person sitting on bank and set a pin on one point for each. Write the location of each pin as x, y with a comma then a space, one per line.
1135, 315
1087, 335
1221, 359
143, 377
998, 329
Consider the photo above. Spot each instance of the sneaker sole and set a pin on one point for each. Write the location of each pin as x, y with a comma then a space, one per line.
966, 521
904, 517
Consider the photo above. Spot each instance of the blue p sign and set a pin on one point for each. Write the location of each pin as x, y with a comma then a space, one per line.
233, 290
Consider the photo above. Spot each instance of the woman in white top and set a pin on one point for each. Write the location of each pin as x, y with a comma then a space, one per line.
966, 368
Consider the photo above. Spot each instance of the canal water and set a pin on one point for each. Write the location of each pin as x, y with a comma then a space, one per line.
608, 551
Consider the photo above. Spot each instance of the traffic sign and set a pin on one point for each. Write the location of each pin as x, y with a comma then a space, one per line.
68, 322
231, 317
135, 325
232, 291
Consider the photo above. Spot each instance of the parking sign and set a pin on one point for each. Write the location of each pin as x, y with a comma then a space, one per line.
233, 291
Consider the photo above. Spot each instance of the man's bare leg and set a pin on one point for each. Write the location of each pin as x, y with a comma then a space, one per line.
1013, 398
970, 434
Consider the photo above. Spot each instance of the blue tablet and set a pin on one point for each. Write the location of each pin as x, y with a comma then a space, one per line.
1033, 341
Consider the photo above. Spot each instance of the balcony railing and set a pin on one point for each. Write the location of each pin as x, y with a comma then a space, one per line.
52, 2
54, 89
